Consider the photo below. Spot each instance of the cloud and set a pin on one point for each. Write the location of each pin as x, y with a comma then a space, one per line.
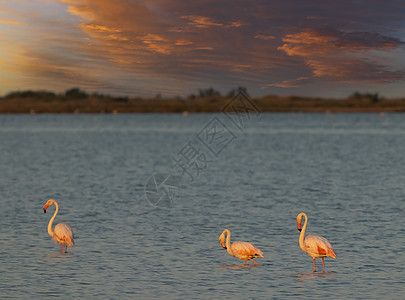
170, 38
183, 42
157, 43
201, 22
98, 28
265, 37
291, 83
8, 21
324, 41
174, 45
207, 22
343, 56
144, 38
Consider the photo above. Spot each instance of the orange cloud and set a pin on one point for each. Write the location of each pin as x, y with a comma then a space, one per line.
236, 24
337, 55
80, 11
98, 28
290, 83
117, 38
201, 22
158, 43
8, 21
207, 22
183, 42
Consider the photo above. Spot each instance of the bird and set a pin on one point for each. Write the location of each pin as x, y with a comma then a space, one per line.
63, 234
315, 246
242, 250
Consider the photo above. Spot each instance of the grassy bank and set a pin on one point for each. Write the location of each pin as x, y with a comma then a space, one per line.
77, 101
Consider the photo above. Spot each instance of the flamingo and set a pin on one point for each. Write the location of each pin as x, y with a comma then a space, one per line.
63, 233
315, 246
242, 250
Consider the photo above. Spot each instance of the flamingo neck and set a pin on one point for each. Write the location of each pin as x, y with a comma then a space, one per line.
228, 242
302, 245
51, 233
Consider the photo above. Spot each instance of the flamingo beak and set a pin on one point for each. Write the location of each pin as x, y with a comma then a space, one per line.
299, 227
45, 207
222, 244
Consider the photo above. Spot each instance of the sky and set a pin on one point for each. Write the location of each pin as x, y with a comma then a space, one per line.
175, 47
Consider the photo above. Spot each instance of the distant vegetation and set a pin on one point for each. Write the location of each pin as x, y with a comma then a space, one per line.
76, 100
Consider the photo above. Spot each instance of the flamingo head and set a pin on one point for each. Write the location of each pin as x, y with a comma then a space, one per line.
299, 220
48, 203
222, 240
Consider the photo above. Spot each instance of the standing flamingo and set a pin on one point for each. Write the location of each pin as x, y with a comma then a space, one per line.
63, 233
315, 246
242, 250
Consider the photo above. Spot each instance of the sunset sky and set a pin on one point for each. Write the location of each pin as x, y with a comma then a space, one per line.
129, 47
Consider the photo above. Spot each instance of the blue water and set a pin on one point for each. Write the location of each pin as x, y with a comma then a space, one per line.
346, 171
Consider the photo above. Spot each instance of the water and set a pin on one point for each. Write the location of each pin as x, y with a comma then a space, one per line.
345, 171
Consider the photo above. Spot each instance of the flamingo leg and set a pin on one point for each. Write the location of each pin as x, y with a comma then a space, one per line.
323, 263
314, 265
255, 262
66, 249
61, 247
245, 262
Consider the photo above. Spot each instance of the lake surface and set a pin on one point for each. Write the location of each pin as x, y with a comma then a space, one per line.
137, 240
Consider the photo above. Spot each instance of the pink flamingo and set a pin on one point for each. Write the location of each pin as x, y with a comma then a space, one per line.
315, 246
242, 250
63, 233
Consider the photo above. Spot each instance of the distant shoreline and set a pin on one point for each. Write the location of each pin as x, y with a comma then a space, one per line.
29, 102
